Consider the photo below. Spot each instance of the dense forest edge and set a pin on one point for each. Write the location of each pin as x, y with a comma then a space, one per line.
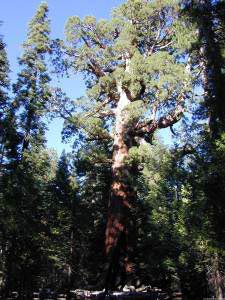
123, 208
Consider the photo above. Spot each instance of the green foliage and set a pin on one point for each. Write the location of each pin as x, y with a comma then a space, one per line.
32, 91
38, 33
220, 150
138, 49
25, 220
186, 34
134, 112
4, 99
53, 211
93, 169
4, 71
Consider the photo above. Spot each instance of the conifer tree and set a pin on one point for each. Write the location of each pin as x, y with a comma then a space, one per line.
8, 145
211, 41
4, 100
32, 90
24, 183
136, 84
63, 209
208, 59
4, 72
93, 172
207, 15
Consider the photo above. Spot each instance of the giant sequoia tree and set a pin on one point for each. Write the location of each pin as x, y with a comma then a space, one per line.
136, 84
166, 223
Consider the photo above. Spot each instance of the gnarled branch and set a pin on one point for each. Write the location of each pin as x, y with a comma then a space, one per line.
168, 120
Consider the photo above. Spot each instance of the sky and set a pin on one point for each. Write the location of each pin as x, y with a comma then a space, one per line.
16, 14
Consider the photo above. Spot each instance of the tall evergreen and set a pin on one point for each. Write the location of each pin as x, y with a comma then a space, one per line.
93, 172
4, 74
209, 55
63, 211
207, 59
25, 142
4, 85
32, 91
212, 41
4, 99
136, 85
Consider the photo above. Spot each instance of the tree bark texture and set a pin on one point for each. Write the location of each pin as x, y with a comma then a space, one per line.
211, 61
117, 246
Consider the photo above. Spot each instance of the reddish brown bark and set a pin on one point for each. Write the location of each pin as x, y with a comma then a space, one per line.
121, 193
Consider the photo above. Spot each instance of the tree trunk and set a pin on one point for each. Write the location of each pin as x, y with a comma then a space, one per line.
121, 193
26, 138
216, 279
219, 286
211, 62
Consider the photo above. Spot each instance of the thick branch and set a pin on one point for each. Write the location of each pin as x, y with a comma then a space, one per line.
172, 118
99, 138
96, 69
93, 65
179, 153
98, 42
163, 122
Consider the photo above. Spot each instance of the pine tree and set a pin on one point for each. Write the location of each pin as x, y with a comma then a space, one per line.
4, 75
5, 146
4, 85
25, 189
93, 172
208, 55
207, 15
63, 210
4, 100
32, 91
